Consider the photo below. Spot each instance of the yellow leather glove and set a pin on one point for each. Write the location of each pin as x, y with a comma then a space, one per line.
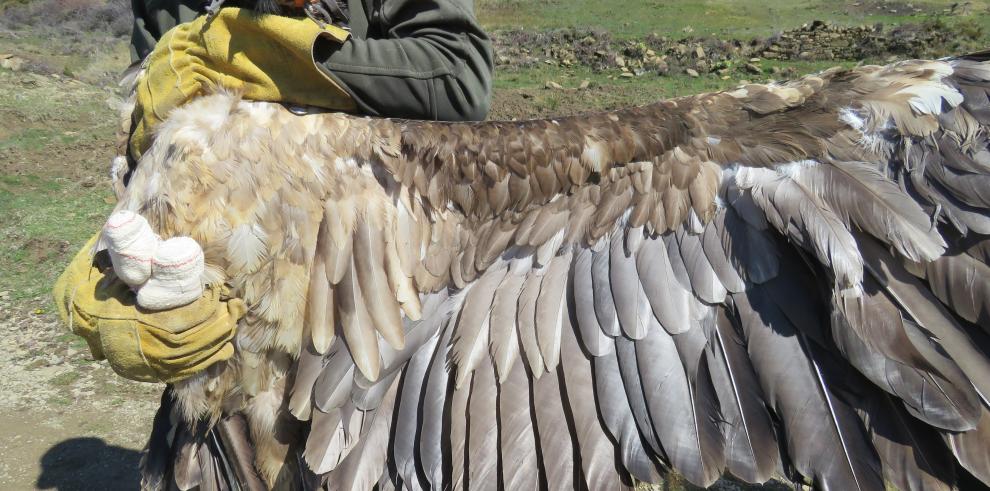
263, 57
166, 346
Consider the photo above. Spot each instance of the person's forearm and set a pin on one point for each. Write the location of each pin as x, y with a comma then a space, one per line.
152, 18
443, 76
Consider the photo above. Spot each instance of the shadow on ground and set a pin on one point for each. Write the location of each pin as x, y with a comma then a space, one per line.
89, 463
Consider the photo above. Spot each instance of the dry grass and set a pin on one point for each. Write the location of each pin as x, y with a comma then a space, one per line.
112, 17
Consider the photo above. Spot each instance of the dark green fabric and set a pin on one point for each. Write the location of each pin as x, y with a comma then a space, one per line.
421, 59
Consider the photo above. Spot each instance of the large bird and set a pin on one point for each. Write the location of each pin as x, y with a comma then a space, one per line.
776, 280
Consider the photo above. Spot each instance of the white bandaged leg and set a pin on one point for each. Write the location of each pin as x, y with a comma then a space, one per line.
176, 275
131, 244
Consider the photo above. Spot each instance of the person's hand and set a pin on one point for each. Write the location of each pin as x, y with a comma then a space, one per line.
263, 57
140, 344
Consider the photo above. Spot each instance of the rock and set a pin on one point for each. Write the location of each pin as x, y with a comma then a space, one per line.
692, 72
553, 85
751, 68
620, 62
627, 75
12, 62
584, 84
699, 52
804, 55
4, 295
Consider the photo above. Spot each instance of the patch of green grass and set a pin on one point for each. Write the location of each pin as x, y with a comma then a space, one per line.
30, 138
77, 343
60, 401
612, 90
723, 18
44, 222
65, 379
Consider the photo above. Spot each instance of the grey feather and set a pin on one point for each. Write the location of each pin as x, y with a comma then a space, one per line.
704, 282
668, 299
860, 194
604, 302
631, 305
686, 430
595, 449
407, 420
555, 437
618, 418
751, 451
482, 449
824, 439
963, 283
801, 215
711, 241
526, 322
308, 370
504, 345
628, 367
435, 400
749, 248
551, 309
470, 339
582, 291
365, 464
913, 457
334, 384
456, 457
971, 448
921, 305
872, 334
518, 457
322, 443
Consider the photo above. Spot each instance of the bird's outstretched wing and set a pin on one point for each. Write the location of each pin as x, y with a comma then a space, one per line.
783, 280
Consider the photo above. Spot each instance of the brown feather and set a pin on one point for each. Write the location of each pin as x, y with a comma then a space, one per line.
369, 265
356, 324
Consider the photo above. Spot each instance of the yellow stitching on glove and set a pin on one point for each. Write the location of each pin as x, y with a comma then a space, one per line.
264, 57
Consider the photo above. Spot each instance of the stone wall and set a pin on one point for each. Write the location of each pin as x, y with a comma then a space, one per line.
815, 41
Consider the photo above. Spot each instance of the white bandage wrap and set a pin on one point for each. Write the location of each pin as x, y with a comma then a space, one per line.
132, 245
176, 275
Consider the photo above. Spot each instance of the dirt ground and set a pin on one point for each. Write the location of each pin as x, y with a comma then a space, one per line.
66, 423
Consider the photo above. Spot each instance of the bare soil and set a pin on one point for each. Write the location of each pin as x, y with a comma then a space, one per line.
66, 422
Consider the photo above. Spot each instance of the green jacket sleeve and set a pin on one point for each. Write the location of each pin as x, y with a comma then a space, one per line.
423, 59
152, 18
